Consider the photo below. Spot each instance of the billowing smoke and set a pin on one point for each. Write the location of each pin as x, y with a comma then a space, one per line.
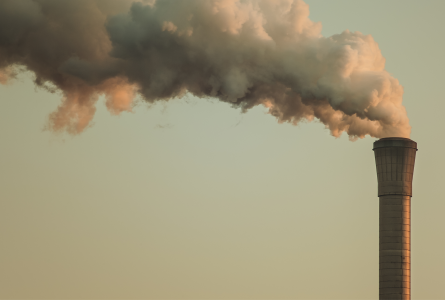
243, 52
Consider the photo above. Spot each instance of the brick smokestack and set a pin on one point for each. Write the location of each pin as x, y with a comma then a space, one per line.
395, 165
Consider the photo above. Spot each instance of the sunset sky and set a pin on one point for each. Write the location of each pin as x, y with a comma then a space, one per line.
192, 199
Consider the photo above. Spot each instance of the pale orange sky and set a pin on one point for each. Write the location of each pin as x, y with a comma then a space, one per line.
191, 199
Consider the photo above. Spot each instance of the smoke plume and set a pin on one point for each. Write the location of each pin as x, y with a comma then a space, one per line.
243, 52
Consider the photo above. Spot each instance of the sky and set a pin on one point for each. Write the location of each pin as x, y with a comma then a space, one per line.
193, 199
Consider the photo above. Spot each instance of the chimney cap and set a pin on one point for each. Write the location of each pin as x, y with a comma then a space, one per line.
395, 142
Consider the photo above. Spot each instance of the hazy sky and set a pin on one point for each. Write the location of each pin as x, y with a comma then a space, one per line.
191, 199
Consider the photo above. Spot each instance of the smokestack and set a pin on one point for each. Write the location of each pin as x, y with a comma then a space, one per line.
395, 165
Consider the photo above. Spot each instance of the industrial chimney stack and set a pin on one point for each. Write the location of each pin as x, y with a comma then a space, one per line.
395, 165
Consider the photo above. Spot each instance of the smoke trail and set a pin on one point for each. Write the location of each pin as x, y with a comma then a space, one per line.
244, 52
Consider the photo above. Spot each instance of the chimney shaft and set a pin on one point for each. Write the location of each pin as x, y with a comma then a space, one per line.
395, 165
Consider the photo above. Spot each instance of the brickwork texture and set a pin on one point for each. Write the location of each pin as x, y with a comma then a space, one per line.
395, 165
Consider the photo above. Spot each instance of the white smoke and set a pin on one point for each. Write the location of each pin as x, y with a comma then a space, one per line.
244, 52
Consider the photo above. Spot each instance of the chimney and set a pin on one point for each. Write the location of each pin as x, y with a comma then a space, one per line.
395, 165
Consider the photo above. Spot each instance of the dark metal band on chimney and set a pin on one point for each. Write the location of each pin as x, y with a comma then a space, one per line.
395, 165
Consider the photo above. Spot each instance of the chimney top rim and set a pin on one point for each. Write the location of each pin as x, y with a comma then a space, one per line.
391, 142
395, 139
